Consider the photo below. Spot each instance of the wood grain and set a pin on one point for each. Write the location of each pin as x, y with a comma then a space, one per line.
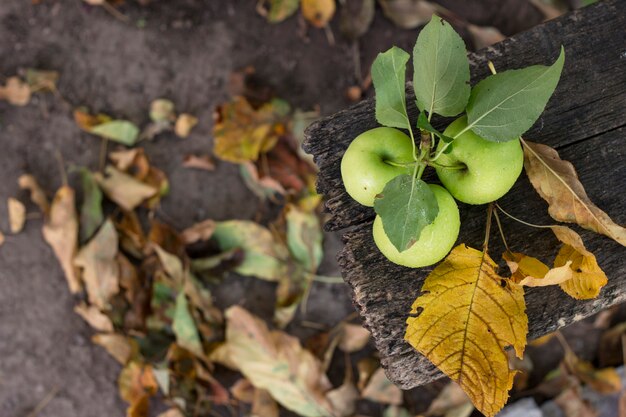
585, 120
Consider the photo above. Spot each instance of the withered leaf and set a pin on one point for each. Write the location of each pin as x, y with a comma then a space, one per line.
280, 10
162, 110
265, 188
123, 189
354, 337
407, 14
184, 123
39, 80
17, 215
60, 231
343, 399
452, 397
318, 12
204, 162
94, 317
573, 404
243, 391
469, 315
531, 272
275, 361
588, 278
118, 346
172, 412
136, 383
199, 231
263, 405
99, 264
184, 326
604, 381
557, 182
91, 215
16, 92
37, 195
304, 237
379, 389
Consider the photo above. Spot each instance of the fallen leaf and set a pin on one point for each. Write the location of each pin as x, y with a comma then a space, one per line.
221, 354
451, 398
275, 361
39, 80
136, 383
354, 337
343, 399
125, 159
280, 10
265, 188
242, 133
604, 381
94, 317
366, 368
117, 345
16, 92
531, 272
379, 389
184, 123
17, 215
172, 412
185, 328
318, 12
610, 352
2, 238
199, 231
99, 264
263, 256
304, 237
407, 14
484, 313
124, 190
557, 182
91, 215
297, 176
204, 162
355, 18
588, 278
121, 131
573, 405
37, 195
484, 36
263, 405
243, 391
60, 231
396, 411
162, 110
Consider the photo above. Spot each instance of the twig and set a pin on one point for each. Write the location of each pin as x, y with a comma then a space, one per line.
44, 402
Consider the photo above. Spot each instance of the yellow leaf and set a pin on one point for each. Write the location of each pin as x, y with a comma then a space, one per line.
588, 279
118, 346
37, 195
318, 12
469, 315
136, 384
184, 123
531, 272
556, 182
17, 215
124, 190
60, 231
381, 390
100, 267
15, 92
94, 317
242, 133
276, 362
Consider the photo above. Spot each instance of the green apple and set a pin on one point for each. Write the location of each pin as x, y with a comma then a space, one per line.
434, 242
491, 168
371, 160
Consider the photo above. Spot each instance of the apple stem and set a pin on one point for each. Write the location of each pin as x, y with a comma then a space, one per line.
506, 246
488, 227
538, 226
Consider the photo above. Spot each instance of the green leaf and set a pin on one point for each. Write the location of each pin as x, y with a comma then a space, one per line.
441, 69
121, 131
263, 257
184, 327
424, 124
406, 206
304, 237
91, 216
388, 75
505, 105
281, 10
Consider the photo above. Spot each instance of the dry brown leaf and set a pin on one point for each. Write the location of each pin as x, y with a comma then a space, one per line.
451, 397
136, 384
366, 368
622, 404
318, 12
263, 405
468, 316
484, 36
117, 345
184, 123
2, 238
99, 264
124, 190
276, 361
37, 195
204, 162
94, 317
354, 337
172, 412
60, 231
243, 391
199, 231
588, 278
125, 159
379, 389
604, 381
573, 405
343, 399
407, 14
557, 182
221, 355
531, 272
16, 92
17, 215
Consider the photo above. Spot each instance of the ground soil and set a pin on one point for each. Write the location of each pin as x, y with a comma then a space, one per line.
185, 51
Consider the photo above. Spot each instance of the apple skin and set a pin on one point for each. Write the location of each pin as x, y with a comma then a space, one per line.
434, 242
492, 167
363, 168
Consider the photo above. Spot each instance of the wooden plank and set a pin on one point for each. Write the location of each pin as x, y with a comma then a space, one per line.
585, 121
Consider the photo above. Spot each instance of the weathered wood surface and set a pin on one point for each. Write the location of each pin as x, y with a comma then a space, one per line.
585, 121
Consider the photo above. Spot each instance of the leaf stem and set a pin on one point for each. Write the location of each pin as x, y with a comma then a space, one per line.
538, 226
